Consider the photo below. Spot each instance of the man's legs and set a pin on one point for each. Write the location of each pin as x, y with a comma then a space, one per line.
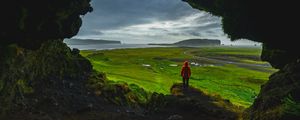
183, 82
187, 82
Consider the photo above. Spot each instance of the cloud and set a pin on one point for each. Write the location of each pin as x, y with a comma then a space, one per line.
111, 14
90, 32
148, 21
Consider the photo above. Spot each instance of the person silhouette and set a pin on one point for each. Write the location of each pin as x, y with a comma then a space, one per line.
186, 74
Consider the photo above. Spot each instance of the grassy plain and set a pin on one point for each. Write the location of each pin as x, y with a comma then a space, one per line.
234, 73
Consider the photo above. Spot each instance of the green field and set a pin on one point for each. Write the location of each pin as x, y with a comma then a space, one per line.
234, 73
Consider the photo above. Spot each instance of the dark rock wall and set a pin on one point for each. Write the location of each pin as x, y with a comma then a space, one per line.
29, 23
50, 79
271, 103
273, 23
38, 72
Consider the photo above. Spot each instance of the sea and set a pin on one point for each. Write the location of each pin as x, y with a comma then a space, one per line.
111, 46
125, 46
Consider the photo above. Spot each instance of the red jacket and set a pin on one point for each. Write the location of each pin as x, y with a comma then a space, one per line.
186, 70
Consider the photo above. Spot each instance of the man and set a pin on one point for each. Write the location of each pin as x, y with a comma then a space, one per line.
185, 73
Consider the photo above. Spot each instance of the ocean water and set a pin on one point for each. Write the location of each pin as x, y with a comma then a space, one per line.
111, 46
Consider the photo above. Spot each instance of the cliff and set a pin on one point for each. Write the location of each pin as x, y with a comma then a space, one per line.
89, 41
198, 42
193, 43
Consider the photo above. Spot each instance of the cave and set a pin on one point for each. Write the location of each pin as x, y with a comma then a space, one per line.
31, 44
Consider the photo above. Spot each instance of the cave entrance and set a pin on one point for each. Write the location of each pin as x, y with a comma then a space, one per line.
140, 46
163, 34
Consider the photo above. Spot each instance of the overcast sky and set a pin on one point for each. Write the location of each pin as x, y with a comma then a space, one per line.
150, 21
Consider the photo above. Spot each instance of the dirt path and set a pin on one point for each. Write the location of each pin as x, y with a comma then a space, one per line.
257, 67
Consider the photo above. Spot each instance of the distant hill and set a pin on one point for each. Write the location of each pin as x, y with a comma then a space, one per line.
89, 41
198, 42
194, 43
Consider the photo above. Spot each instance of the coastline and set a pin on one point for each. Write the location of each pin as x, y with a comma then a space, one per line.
95, 47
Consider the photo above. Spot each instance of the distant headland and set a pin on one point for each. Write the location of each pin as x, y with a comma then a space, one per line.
193, 43
89, 41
